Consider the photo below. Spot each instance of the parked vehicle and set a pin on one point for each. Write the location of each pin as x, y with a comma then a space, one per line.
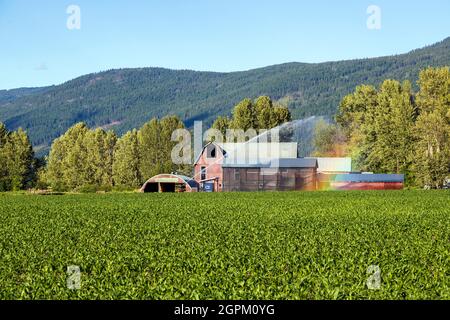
447, 184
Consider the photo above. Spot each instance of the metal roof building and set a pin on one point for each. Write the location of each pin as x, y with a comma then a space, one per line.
284, 174
275, 163
357, 177
359, 181
170, 183
257, 152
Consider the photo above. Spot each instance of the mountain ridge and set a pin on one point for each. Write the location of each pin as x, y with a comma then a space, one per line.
128, 97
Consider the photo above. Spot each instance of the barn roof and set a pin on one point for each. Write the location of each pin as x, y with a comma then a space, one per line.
171, 178
358, 177
254, 152
276, 163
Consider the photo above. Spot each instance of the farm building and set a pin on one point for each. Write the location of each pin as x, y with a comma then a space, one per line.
328, 168
367, 181
268, 167
277, 175
170, 183
208, 167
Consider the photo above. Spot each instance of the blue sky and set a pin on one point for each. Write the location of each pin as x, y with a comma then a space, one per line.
38, 49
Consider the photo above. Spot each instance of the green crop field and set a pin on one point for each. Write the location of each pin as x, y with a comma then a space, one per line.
316, 245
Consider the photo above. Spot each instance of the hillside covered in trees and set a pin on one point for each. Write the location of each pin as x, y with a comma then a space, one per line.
126, 98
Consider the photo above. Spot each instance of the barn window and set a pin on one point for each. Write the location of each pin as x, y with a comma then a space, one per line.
203, 173
211, 152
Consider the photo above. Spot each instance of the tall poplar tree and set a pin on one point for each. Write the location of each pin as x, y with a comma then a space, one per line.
393, 123
222, 124
150, 149
99, 157
432, 130
126, 161
4, 181
356, 120
67, 161
168, 125
244, 116
19, 160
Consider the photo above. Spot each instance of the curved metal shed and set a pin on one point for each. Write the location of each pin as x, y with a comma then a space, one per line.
170, 183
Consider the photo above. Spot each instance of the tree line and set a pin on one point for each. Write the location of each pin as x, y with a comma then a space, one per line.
392, 129
85, 159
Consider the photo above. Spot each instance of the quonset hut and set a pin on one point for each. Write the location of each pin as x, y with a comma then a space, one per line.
170, 183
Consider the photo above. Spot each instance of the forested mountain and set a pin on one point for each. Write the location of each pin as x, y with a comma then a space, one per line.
126, 98
11, 95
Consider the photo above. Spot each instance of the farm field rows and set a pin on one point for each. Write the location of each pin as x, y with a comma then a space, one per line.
293, 245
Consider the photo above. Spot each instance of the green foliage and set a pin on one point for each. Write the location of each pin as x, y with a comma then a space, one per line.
126, 98
99, 157
66, 163
155, 147
356, 117
93, 188
87, 160
17, 163
149, 152
265, 115
328, 140
81, 157
168, 125
432, 150
291, 245
4, 179
432, 130
256, 115
126, 161
244, 115
393, 122
222, 124
393, 130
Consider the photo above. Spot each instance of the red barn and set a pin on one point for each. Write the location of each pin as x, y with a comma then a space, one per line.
208, 166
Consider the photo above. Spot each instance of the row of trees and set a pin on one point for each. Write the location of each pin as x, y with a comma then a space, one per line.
84, 158
17, 163
394, 130
94, 159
